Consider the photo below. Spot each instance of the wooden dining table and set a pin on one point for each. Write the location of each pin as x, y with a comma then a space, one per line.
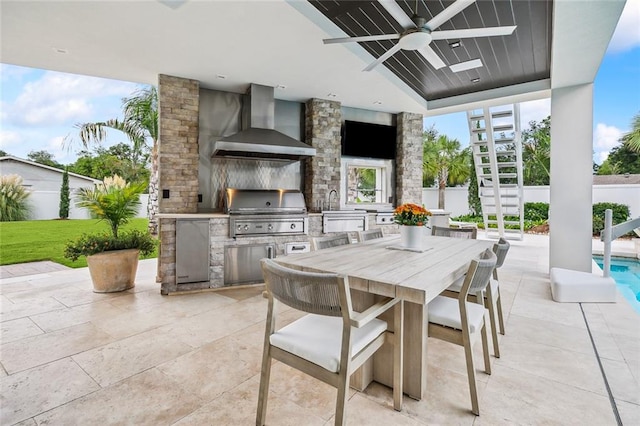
382, 267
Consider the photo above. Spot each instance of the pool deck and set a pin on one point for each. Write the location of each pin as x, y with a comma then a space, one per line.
71, 356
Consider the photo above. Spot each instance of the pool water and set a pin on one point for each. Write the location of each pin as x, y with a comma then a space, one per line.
626, 273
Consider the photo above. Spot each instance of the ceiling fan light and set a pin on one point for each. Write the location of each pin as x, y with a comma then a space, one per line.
415, 40
455, 44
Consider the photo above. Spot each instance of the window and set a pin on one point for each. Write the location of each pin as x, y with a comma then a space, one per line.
366, 181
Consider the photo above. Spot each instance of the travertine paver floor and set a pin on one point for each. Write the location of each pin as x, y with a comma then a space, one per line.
71, 356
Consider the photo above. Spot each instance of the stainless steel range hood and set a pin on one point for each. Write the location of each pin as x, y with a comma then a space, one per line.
260, 140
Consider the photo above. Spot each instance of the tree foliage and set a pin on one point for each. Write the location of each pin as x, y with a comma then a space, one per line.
536, 152
44, 157
140, 125
632, 139
445, 162
115, 160
63, 211
622, 159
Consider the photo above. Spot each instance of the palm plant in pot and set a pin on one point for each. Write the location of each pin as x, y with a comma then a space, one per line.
112, 257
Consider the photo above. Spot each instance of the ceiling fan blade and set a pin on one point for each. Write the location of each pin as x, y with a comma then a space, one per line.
363, 38
398, 14
432, 57
383, 58
448, 13
472, 32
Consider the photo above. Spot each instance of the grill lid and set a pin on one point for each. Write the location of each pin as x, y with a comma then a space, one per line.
264, 201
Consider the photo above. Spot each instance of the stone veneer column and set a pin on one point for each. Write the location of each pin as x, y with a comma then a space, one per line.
409, 158
323, 120
178, 105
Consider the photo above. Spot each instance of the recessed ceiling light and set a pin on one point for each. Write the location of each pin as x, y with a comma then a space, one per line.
60, 50
475, 80
464, 66
455, 44
221, 76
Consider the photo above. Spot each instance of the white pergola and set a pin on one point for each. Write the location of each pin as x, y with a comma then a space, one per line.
226, 45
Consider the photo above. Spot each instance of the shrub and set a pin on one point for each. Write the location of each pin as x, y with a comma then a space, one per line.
90, 244
536, 212
13, 199
620, 214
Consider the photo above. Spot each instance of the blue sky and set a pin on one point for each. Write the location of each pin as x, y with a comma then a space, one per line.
38, 109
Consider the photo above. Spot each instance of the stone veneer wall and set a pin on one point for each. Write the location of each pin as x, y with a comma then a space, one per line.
178, 105
323, 121
409, 158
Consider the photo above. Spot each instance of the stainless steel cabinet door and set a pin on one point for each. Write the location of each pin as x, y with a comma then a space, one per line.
242, 262
192, 251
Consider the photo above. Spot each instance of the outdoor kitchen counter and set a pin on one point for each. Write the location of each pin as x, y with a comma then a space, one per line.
219, 240
192, 215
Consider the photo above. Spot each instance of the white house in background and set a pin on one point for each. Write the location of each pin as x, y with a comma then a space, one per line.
44, 183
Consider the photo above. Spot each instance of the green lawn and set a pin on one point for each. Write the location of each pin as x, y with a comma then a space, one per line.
35, 240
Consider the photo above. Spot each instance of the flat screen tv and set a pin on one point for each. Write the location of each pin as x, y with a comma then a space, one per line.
368, 140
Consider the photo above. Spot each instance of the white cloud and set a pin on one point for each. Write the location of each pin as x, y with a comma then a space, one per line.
534, 111
599, 157
9, 139
59, 98
604, 138
627, 33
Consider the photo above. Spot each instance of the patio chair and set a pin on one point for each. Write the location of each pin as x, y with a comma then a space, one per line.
370, 234
332, 341
460, 321
443, 231
319, 243
489, 297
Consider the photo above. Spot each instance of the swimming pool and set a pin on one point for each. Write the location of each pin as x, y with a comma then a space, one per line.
626, 272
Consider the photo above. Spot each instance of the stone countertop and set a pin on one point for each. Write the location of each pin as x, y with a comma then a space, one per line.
192, 215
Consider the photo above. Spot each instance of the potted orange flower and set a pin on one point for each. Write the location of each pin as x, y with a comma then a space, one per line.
411, 218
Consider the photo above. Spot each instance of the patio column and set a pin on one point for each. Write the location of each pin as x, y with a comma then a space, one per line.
571, 182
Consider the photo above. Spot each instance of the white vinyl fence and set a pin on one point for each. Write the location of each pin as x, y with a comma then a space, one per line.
455, 199
45, 205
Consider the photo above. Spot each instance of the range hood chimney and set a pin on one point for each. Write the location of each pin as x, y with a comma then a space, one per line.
260, 140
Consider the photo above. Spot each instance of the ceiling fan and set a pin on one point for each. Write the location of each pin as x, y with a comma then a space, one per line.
419, 32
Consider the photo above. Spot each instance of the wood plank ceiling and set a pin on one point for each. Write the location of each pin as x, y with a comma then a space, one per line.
521, 57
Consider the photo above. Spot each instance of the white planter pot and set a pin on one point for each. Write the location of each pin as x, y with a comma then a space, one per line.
411, 236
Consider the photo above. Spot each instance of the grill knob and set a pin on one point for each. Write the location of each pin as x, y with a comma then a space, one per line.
246, 227
293, 226
270, 227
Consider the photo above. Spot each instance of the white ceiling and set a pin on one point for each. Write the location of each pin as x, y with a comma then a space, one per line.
275, 43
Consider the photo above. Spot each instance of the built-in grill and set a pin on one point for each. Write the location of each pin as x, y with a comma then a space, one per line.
254, 212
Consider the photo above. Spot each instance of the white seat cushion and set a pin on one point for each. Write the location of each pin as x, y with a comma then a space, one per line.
318, 339
445, 311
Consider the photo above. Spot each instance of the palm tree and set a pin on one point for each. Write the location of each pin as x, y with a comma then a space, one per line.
444, 161
140, 125
632, 139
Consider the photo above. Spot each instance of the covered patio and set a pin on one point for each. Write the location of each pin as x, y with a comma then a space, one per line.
71, 356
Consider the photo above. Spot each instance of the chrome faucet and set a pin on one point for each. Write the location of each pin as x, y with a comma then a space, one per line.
333, 191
